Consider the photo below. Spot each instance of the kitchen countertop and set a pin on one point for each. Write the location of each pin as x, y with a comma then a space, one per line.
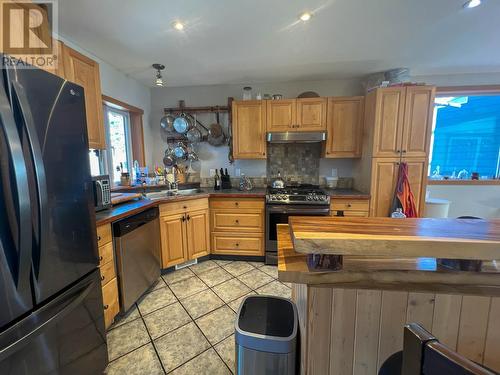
386, 273
130, 208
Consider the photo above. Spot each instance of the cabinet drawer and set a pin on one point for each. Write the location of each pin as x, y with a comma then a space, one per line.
107, 272
348, 213
237, 244
106, 253
350, 204
104, 234
110, 301
237, 203
183, 206
233, 220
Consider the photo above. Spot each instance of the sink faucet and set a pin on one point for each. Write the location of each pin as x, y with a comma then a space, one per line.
175, 185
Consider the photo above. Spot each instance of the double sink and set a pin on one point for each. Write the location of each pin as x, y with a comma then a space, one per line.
172, 193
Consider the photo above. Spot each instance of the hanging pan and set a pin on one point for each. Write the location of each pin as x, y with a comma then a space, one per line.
167, 123
215, 133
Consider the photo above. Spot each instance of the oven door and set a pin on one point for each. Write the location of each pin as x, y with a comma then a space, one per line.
279, 214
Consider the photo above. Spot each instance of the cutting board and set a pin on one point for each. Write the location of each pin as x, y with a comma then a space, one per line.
117, 198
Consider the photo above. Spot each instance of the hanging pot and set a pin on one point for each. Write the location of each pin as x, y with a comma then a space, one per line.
215, 133
168, 160
182, 124
167, 123
180, 151
194, 134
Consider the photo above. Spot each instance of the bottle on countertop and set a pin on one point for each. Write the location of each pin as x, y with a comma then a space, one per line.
398, 214
217, 181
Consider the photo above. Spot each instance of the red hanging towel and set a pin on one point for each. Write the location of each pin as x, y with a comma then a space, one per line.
404, 193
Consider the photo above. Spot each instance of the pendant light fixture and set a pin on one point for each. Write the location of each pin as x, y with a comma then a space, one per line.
159, 78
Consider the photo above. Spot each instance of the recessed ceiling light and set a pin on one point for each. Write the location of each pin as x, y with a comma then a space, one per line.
178, 25
306, 16
472, 4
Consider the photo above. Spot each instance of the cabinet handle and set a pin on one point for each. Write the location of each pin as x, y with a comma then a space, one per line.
236, 203
264, 153
349, 205
100, 258
183, 218
237, 244
106, 307
404, 151
102, 278
184, 207
398, 151
237, 221
98, 238
188, 218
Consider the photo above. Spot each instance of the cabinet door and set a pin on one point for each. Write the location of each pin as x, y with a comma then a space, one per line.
344, 127
384, 175
281, 115
198, 229
388, 127
173, 240
418, 121
249, 129
85, 72
311, 114
417, 176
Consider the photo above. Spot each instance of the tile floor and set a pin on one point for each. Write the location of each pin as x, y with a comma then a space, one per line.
185, 323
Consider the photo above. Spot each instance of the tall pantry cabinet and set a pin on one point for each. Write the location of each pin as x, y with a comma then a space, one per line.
398, 126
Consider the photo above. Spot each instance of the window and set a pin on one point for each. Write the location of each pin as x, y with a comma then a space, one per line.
465, 136
119, 144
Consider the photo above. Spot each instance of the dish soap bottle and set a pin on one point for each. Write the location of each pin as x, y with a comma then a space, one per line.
216, 180
398, 214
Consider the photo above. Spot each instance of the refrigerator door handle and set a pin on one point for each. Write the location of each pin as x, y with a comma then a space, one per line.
22, 267
21, 334
39, 170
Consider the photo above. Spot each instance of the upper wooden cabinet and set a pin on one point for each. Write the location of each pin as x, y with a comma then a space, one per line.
311, 114
294, 115
344, 127
281, 115
249, 129
401, 119
85, 72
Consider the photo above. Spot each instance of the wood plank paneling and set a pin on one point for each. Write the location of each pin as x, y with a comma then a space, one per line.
342, 331
319, 320
299, 296
421, 309
392, 321
492, 347
446, 319
473, 325
366, 337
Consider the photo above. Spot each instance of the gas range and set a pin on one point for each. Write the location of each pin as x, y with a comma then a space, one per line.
307, 195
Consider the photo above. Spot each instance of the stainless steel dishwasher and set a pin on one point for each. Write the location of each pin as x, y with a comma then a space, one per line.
137, 249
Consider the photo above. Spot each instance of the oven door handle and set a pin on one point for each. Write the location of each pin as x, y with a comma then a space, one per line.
293, 210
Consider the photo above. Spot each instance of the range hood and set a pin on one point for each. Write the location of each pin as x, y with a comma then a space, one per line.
296, 137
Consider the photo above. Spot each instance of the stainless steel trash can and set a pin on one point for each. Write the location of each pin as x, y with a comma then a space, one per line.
266, 336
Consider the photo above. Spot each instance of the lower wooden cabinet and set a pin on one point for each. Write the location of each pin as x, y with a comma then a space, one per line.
349, 207
384, 179
185, 234
110, 299
237, 226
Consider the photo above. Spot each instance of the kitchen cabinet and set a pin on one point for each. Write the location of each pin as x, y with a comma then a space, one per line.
249, 129
349, 207
107, 269
384, 179
237, 226
344, 127
184, 231
402, 121
85, 72
281, 115
311, 114
295, 115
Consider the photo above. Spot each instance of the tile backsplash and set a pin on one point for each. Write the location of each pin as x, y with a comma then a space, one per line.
297, 162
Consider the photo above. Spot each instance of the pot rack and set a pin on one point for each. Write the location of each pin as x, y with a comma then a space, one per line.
207, 109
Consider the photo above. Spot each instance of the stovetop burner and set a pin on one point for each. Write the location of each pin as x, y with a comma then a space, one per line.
301, 194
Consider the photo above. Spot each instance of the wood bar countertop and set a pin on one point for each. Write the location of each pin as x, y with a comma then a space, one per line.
386, 273
440, 238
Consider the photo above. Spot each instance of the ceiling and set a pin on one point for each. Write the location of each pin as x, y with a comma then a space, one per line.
240, 41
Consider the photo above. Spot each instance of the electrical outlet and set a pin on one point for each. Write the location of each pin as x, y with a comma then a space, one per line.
212, 172
237, 172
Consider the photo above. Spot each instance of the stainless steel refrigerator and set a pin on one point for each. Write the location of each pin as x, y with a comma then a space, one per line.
51, 313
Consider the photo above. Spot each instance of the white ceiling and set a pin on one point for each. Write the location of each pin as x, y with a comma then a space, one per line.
242, 41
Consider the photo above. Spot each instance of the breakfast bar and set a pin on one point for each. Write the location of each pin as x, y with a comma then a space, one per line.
358, 281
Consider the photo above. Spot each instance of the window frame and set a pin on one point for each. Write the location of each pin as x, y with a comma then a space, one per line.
128, 137
476, 90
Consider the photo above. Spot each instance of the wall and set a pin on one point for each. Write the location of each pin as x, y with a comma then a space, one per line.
216, 157
469, 200
119, 86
